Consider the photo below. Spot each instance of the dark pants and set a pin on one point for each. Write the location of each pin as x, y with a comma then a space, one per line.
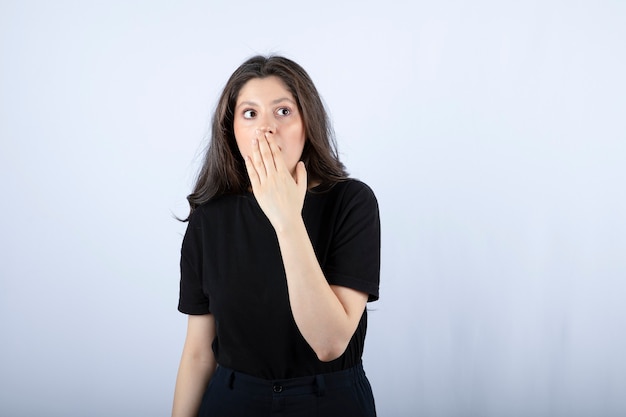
342, 394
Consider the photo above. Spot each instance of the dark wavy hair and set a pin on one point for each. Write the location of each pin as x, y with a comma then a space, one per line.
223, 169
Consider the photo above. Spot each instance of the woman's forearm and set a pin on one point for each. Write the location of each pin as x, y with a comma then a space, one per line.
197, 365
194, 374
327, 317
326, 320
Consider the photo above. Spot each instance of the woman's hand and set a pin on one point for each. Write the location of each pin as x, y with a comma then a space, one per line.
279, 192
326, 316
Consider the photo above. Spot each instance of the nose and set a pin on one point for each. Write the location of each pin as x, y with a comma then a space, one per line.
266, 128
266, 125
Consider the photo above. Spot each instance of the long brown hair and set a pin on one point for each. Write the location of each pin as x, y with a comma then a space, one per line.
223, 170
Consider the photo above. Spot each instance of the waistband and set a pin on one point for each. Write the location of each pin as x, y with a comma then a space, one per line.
317, 384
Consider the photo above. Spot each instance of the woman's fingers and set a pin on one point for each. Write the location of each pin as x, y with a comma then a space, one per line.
301, 176
252, 172
279, 162
266, 152
257, 159
279, 194
266, 158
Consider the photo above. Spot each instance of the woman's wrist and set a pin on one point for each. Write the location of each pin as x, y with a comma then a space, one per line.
290, 227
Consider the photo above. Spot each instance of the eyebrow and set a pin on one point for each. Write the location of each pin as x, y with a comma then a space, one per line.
278, 100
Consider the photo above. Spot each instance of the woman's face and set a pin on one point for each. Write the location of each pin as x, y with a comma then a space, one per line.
265, 105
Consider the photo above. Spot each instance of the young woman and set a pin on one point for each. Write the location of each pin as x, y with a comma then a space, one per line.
280, 257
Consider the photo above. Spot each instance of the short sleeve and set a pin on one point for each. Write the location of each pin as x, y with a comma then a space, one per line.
192, 298
354, 256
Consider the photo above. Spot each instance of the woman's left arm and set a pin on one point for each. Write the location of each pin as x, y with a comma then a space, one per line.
326, 315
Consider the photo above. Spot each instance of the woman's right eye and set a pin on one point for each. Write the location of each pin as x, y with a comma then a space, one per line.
249, 114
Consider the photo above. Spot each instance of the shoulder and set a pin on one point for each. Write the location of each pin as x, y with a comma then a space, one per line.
205, 215
217, 204
344, 200
354, 192
349, 187
355, 186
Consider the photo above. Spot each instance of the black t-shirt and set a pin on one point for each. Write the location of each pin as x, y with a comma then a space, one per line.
231, 267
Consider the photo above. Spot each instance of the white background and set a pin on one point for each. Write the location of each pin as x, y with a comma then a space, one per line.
493, 133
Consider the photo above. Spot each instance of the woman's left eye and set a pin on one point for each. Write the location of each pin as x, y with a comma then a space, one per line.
283, 111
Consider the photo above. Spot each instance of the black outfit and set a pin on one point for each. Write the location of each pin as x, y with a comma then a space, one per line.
339, 394
231, 267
